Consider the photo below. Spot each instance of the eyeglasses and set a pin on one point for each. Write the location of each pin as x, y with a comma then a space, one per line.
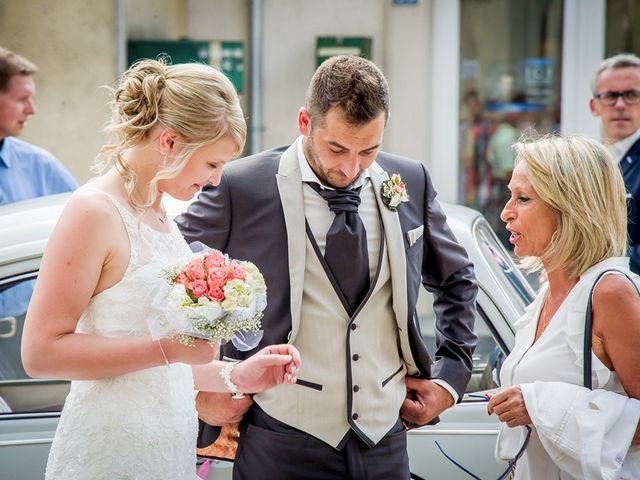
610, 98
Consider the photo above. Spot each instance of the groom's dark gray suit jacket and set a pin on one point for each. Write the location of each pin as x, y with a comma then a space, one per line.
250, 217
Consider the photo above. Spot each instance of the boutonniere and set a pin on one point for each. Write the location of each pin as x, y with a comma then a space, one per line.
394, 192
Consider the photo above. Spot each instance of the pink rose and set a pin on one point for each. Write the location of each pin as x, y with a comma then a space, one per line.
182, 279
195, 270
214, 259
198, 288
400, 187
216, 294
236, 271
217, 277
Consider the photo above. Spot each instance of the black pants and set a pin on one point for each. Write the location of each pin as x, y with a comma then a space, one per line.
272, 450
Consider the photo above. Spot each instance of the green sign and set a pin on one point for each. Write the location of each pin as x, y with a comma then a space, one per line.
227, 56
329, 46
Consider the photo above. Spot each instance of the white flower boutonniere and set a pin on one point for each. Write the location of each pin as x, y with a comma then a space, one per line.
394, 192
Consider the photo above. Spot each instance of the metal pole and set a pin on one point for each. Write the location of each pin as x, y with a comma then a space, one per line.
255, 119
121, 39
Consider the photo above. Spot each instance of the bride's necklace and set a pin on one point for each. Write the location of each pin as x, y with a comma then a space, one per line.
160, 215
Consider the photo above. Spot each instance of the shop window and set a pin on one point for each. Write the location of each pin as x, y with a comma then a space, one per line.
622, 32
510, 77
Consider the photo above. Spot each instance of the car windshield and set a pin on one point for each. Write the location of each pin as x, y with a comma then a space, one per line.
502, 268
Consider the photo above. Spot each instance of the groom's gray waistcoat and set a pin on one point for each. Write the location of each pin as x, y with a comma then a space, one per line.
352, 369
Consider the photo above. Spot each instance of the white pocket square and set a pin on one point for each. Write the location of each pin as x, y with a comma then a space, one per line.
414, 235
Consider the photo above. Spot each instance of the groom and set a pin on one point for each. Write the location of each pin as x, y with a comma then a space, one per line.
344, 245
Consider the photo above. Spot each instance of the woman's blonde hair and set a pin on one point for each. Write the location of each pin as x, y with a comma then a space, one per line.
196, 100
578, 178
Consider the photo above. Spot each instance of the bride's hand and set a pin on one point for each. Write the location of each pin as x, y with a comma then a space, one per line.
269, 367
198, 353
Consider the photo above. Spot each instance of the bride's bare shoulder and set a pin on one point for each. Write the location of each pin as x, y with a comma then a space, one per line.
90, 207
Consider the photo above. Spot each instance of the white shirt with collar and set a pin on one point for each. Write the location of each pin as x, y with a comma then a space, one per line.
320, 219
619, 149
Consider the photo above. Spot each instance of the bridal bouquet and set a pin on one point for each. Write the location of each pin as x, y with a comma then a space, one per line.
214, 297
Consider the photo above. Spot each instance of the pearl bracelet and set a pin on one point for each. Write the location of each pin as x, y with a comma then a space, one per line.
225, 374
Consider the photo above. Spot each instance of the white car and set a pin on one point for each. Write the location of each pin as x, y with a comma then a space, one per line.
29, 409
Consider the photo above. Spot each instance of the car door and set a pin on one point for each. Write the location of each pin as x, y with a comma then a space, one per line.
466, 434
29, 408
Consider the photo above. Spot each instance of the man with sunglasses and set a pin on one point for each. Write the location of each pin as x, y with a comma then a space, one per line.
616, 100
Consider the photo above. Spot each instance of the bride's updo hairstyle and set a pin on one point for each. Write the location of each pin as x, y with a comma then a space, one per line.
196, 100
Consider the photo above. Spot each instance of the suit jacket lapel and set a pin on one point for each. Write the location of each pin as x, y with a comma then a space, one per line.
630, 158
394, 240
290, 189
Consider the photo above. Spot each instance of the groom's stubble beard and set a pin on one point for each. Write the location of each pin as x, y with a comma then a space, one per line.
313, 159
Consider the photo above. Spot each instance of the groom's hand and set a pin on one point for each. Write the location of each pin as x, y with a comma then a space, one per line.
219, 409
425, 400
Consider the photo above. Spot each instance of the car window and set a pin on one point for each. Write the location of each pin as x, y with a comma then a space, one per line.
14, 300
489, 352
18, 392
502, 267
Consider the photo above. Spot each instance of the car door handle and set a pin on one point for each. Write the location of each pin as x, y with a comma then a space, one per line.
11, 332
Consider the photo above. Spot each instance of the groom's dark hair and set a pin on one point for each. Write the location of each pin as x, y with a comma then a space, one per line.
353, 84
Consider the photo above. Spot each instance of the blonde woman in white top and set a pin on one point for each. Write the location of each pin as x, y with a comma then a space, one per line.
567, 214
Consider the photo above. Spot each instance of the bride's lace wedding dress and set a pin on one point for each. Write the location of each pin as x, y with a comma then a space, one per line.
142, 425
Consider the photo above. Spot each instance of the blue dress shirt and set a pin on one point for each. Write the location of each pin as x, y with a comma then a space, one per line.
27, 171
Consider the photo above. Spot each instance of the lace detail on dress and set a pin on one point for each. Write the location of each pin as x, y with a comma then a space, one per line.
142, 425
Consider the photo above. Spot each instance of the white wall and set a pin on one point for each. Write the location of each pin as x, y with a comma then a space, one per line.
73, 44
407, 65
400, 46
156, 19
289, 40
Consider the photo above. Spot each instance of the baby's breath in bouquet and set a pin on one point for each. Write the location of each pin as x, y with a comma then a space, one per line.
214, 297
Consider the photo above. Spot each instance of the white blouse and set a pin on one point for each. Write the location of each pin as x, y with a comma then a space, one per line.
557, 356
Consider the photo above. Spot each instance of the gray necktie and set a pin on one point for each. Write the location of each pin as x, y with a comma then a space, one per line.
346, 251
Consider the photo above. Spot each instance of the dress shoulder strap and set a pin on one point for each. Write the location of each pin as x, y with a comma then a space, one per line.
131, 224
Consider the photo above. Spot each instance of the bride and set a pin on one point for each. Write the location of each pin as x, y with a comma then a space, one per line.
131, 411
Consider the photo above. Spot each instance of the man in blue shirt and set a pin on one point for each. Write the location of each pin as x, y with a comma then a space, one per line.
26, 171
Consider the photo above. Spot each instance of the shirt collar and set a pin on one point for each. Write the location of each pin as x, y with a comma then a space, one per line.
620, 148
308, 175
5, 152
